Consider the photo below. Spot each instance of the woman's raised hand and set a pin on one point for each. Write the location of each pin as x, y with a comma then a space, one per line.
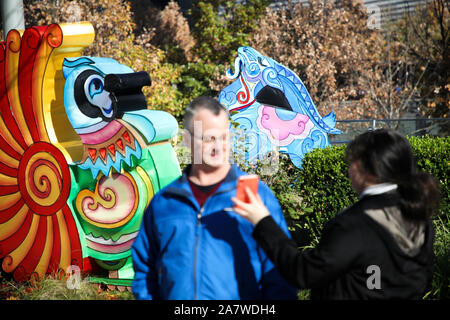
254, 211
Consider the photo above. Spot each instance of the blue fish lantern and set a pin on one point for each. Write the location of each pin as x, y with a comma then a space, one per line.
273, 109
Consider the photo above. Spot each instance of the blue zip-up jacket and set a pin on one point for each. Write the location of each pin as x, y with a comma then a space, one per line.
186, 252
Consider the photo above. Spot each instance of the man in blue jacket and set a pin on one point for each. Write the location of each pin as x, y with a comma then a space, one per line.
191, 244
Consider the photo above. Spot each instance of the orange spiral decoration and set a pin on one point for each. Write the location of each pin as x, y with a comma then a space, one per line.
38, 234
43, 176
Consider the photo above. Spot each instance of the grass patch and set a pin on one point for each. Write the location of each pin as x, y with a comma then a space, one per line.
51, 288
441, 273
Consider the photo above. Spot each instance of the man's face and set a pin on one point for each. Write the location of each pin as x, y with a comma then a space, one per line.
210, 139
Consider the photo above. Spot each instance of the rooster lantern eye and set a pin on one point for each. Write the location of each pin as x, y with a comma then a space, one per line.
95, 86
91, 97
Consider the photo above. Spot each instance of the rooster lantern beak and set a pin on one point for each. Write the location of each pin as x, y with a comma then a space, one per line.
125, 91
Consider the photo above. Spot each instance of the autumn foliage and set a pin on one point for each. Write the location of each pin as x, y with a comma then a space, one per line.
349, 67
329, 47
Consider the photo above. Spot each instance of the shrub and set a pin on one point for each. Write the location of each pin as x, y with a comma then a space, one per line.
441, 275
324, 185
166, 29
221, 26
433, 156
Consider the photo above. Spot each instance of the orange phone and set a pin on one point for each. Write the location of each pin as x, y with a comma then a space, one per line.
250, 181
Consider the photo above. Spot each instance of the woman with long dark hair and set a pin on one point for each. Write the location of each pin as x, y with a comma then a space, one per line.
379, 248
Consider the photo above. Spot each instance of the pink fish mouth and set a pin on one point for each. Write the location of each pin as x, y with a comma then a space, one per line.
282, 132
100, 244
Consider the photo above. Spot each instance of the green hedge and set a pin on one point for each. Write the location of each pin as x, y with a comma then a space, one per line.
433, 156
314, 194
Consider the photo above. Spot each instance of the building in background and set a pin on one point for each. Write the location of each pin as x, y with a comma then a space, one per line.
389, 10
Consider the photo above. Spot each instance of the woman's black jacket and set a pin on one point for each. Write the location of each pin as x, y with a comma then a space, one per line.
356, 257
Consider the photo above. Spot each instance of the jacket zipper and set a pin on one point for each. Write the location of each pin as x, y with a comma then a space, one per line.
199, 217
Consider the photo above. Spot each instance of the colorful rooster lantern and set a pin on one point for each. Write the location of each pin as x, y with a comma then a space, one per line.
273, 109
80, 156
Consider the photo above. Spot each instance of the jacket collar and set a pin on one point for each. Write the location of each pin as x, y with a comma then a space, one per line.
181, 186
378, 189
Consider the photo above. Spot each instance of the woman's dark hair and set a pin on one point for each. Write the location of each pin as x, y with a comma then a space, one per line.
388, 156
202, 102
